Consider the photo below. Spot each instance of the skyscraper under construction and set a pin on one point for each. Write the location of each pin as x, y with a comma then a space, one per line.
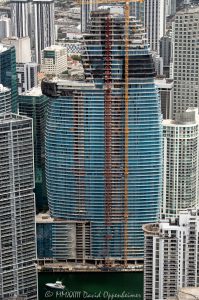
103, 153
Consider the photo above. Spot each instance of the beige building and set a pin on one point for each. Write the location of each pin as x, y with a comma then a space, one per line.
54, 60
22, 46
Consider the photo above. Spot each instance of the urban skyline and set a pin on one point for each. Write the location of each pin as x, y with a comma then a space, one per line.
99, 146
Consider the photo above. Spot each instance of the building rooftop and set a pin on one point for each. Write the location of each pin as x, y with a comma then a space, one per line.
152, 228
164, 83
188, 10
35, 91
54, 48
10, 117
3, 88
69, 83
45, 218
14, 38
189, 293
190, 117
3, 47
118, 10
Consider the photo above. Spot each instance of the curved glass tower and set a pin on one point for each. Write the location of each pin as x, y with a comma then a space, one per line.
87, 138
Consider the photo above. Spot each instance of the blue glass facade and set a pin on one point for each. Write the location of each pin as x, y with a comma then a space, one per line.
34, 105
8, 75
77, 155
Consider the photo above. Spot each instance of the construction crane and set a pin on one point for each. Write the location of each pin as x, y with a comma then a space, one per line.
108, 186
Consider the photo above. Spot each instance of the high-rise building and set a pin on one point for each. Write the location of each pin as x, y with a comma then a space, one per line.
138, 10
34, 105
90, 128
22, 47
165, 88
18, 276
5, 27
86, 9
158, 63
8, 76
26, 76
171, 255
5, 100
166, 53
54, 60
170, 8
186, 59
155, 22
153, 16
34, 19
20, 18
25, 69
181, 162
43, 22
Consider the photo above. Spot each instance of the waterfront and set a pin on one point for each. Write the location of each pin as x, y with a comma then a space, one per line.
110, 286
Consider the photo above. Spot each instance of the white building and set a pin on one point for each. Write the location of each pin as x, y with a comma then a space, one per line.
186, 59
54, 60
5, 99
155, 22
34, 18
153, 15
27, 76
20, 18
181, 159
22, 46
43, 23
18, 275
165, 88
171, 258
5, 27
170, 8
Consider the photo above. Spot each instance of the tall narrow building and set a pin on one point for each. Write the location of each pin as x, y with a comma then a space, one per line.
20, 18
86, 9
8, 76
104, 154
152, 13
34, 105
186, 59
18, 276
43, 23
165, 88
170, 6
5, 26
181, 163
34, 18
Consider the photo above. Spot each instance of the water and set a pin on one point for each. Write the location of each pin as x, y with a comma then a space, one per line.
107, 286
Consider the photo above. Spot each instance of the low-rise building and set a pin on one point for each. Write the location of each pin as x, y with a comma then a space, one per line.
54, 60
